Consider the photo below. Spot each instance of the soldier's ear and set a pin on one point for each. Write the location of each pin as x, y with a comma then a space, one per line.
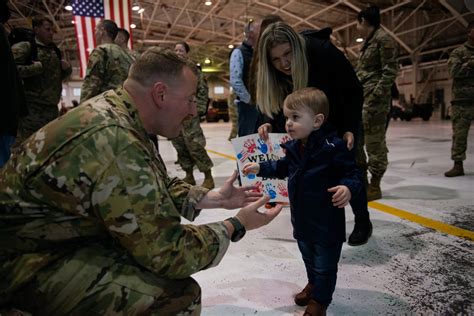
158, 92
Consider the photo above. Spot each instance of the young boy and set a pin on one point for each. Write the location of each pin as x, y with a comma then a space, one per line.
322, 176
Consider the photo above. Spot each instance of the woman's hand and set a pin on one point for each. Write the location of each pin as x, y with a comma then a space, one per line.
348, 137
264, 130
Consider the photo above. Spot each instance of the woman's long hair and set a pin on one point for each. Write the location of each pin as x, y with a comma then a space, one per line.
272, 85
252, 79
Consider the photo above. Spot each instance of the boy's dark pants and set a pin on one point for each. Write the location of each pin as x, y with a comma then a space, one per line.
321, 267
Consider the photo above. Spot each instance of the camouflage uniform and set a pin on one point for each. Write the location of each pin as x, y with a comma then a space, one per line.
42, 85
461, 68
107, 69
233, 115
377, 69
191, 142
90, 220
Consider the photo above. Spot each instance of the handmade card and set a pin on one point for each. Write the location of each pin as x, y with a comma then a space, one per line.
252, 148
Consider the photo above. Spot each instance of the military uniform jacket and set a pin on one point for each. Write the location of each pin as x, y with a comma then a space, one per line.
92, 176
377, 69
42, 82
107, 69
461, 68
325, 162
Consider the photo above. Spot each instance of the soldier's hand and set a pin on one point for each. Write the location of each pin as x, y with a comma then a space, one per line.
235, 197
251, 218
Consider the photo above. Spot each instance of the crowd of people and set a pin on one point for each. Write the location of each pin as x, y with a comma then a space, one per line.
90, 219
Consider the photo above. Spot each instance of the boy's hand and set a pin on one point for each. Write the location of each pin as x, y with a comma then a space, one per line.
342, 195
251, 167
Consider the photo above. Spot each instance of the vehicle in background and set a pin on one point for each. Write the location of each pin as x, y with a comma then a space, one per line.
218, 109
406, 113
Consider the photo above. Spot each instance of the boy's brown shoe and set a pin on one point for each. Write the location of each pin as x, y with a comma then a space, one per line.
303, 297
314, 309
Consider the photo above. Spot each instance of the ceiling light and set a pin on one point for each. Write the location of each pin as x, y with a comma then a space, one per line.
68, 7
132, 26
359, 40
230, 46
73, 22
135, 7
208, 3
141, 10
207, 61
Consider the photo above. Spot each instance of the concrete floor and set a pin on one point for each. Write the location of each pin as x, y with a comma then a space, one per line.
405, 267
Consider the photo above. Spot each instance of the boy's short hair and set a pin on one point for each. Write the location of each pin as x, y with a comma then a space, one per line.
310, 98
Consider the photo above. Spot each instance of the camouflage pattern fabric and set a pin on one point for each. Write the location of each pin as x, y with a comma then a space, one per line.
461, 116
461, 68
191, 142
190, 146
90, 221
233, 115
377, 69
107, 69
42, 84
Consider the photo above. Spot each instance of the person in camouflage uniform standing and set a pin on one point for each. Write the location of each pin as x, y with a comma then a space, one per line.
122, 38
42, 78
190, 144
233, 115
90, 222
461, 68
377, 69
108, 63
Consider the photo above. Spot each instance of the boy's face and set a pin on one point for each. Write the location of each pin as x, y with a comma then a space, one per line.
301, 122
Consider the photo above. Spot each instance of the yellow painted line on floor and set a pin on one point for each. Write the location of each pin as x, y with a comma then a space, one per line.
424, 221
221, 154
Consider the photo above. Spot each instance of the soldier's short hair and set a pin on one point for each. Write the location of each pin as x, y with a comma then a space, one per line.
38, 21
308, 98
125, 33
110, 27
158, 63
371, 15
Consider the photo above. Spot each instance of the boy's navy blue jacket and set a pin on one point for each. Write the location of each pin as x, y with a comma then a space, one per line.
324, 163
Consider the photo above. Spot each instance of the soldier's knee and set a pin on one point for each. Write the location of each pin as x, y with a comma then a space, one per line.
180, 297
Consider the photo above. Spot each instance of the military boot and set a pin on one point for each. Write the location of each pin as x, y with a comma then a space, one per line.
315, 309
208, 180
189, 178
303, 297
456, 171
373, 190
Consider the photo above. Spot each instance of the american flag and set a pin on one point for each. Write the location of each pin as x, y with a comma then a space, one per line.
88, 13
